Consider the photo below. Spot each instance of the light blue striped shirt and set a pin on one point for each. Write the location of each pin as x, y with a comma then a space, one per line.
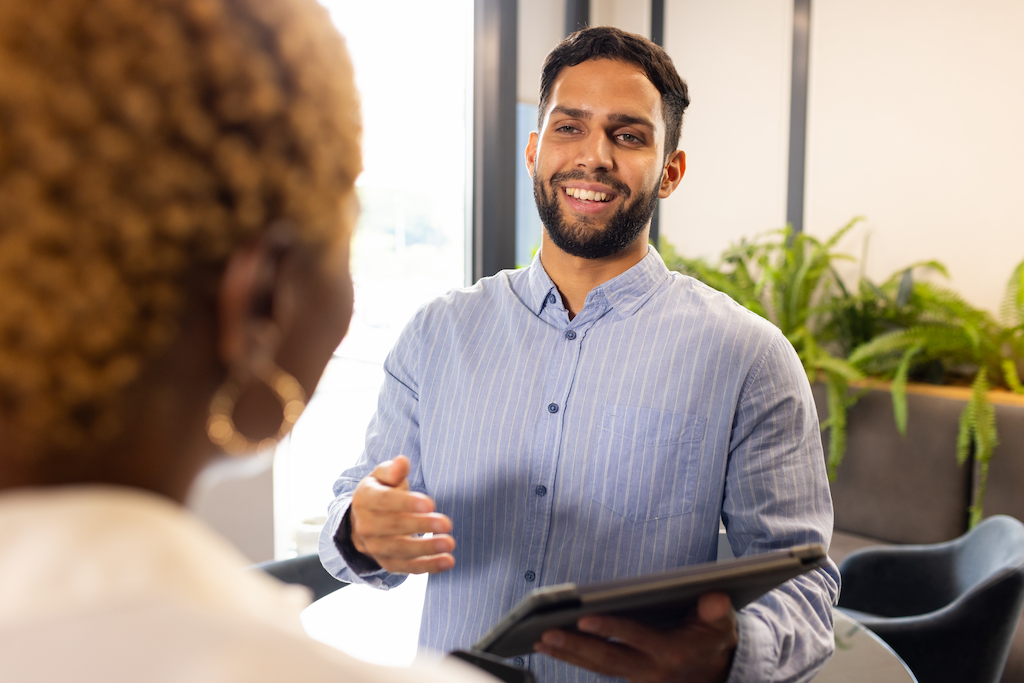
605, 446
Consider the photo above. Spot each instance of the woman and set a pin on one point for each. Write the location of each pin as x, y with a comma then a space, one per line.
176, 202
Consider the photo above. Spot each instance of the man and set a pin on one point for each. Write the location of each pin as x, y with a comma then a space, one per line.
594, 416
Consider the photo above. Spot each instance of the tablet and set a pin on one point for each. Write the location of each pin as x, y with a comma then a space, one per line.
660, 600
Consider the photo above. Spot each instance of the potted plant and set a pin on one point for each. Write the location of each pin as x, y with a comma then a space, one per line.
904, 330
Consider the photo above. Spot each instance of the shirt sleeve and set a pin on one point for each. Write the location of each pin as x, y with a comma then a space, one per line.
777, 496
393, 431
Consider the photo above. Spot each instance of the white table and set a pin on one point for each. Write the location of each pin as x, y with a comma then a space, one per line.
862, 657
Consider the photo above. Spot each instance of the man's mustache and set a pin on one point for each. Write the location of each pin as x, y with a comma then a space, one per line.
602, 178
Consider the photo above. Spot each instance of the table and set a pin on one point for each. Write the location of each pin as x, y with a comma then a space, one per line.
862, 657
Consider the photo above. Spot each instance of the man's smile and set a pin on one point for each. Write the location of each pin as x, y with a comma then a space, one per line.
585, 196
588, 195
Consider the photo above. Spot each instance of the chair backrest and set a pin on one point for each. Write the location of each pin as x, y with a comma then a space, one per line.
305, 570
963, 632
992, 548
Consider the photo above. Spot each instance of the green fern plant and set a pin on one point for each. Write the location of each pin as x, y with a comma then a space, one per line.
1013, 323
969, 346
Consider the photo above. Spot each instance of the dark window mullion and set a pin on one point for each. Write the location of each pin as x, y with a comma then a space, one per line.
493, 233
798, 114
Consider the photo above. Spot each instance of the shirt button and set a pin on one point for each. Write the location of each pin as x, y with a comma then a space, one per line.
541, 491
529, 575
552, 408
551, 298
519, 661
570, 335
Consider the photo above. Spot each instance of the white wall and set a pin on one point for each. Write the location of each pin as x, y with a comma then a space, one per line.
541, 26
735, 57
235, 498
916, 121
629, 15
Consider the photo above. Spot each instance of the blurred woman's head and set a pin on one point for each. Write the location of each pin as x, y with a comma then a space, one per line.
176, 200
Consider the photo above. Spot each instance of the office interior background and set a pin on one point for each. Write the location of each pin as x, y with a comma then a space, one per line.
913, 121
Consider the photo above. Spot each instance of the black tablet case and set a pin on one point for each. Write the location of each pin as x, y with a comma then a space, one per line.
661, 600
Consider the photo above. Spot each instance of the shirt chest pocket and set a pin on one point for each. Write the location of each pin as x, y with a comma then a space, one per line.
647, 462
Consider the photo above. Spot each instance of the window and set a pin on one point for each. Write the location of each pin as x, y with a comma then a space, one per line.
413, 64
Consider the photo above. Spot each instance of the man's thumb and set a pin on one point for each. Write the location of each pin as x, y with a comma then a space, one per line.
714, 607
395, 473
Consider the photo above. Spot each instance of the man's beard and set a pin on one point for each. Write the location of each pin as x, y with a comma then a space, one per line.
576, 239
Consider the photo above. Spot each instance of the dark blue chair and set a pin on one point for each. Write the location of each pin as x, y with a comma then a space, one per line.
305, 570
949, 609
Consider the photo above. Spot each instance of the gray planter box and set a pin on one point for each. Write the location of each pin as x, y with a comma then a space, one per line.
900, 489
910, 489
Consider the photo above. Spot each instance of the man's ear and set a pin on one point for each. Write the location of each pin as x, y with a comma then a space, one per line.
531, 153
675, 167
249, 301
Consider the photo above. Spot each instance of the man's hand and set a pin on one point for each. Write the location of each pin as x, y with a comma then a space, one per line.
699, 651
385, 515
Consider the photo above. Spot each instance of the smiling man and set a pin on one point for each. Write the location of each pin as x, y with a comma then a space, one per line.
595, 416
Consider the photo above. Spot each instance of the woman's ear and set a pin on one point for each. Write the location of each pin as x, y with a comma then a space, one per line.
250, 301
283, 305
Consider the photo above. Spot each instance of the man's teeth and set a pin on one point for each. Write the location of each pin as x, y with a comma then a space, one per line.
586, 195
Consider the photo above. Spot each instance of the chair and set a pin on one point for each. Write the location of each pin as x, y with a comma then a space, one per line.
949, 609
305, 570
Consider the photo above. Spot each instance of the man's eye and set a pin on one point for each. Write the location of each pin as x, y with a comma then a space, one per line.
566, 129
628, 137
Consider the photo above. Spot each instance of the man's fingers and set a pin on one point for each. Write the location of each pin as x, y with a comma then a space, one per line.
592, 654
696, 651
714, 611
374, 496
380, 536
397, 524
402, 548
434, 564
628, 632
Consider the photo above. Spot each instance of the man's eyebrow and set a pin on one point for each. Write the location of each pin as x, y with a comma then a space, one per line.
574, 113
632, 120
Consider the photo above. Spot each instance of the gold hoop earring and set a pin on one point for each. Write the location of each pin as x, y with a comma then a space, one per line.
220, 426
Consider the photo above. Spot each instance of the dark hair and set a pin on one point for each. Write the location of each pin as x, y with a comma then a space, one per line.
607, 42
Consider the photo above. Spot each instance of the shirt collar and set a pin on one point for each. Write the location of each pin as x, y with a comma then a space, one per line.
624, 293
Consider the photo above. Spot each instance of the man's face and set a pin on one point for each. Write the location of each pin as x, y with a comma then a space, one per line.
598, 162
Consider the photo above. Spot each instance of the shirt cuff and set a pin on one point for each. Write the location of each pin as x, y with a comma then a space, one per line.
363, 565
755, 657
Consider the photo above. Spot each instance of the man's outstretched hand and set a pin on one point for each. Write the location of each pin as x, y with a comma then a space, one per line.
699, 651
385, 516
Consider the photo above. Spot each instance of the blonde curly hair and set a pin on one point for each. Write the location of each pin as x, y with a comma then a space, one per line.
141, 141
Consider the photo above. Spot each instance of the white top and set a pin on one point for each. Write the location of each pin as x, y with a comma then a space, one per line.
112, 584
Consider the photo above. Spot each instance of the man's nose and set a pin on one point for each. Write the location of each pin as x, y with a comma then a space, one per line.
595, 153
